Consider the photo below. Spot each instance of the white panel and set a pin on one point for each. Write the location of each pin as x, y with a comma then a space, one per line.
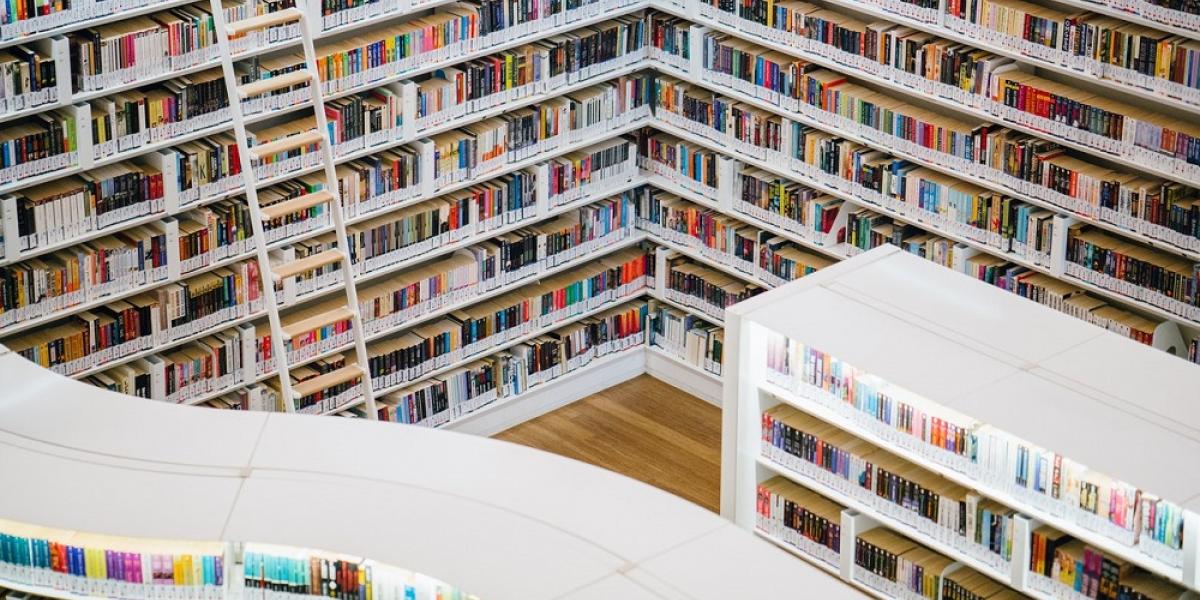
762, 571
613, 587
1137, 375
166, 433
945, 300
508, 476
86, 496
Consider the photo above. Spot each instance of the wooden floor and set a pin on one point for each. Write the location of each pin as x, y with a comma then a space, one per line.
643, 428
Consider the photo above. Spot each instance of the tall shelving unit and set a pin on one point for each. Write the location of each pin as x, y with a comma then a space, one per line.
881, 355
395, 156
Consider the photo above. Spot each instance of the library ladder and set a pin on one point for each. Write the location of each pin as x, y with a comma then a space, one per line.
328, 197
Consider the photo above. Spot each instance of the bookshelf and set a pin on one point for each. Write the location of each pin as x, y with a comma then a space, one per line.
171, 490
793, 182
954, 419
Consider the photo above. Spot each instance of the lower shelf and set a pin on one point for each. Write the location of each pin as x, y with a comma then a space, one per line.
540, 399
698, 382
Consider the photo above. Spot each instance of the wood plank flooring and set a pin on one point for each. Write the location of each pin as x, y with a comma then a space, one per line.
644, 429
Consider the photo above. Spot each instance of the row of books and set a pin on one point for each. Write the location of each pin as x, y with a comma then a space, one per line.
1146, 211
688, 338
924, 502
1091, 44
1147, 274
138, 47
536, 68
170, 313
896, 566
669, 40
27, 19
800, 518
1048, 480
1139, 328
45, 142
1009, 225
694, 168
49, 214
987, 217
449, 31
209, 166
462, 335
289, 572
113, 333
576, 174
976, 212
108, 566
1066, 567
760, 254
127, 129
412, 231
485, 146
999, 157
494, 263
459, 392
228, 359
703, 288
892, 563
28, 79
126, 121
224, 361
867, 228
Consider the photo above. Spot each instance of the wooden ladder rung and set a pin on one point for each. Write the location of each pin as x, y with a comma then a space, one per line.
340, 313
327, 380
296, 204
279, 17
270, 84
306, 264
290, 142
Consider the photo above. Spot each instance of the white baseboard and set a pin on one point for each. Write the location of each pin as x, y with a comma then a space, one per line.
539, 400
592, 379
691, 379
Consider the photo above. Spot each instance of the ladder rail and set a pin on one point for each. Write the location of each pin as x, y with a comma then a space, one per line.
307, 34
250, 183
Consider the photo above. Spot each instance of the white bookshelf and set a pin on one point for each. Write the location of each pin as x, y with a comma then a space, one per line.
976, 356
496, 507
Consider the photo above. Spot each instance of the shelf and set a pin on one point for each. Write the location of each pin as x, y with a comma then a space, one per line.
681, 374
345, 158
992, 360
430, 315
701, 372
891, 523
599, 374
940, 30
1111, 295
509, 168
543, 33
926, 97
14, 186
152, 6
688, 309
510, 343
816, 409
